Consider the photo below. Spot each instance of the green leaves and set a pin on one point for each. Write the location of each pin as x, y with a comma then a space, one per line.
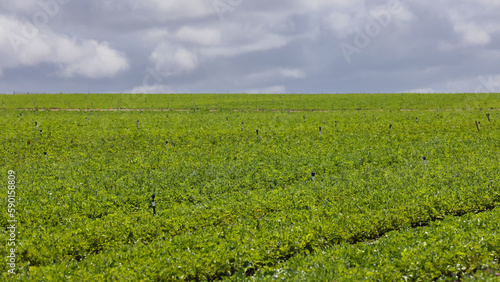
454, 247
229, 204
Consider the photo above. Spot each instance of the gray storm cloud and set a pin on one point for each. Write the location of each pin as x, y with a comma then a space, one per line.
242, 46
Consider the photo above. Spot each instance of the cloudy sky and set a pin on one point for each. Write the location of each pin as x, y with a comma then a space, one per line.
249, 46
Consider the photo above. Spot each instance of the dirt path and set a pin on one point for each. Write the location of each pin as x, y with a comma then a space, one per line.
240, 110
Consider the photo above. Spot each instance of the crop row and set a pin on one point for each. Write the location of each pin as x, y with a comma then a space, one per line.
446, 250
253, 101
228, 202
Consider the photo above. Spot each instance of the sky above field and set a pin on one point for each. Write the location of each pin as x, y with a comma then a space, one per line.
243, 46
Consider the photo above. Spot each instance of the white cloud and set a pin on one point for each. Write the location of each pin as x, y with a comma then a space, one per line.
181, 8
94, 60
174, 60
261, 76
262, 42
156, 34
343, 16
473, 34
152, 89
158, 10
172, 57
339, 22
204, 36
87, 58
293, 73
318, 5
277, 89
421, 90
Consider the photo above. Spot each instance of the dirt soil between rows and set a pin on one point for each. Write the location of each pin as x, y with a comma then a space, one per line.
239, 110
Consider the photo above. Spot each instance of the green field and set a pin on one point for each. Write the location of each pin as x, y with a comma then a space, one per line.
233, 205
255, 101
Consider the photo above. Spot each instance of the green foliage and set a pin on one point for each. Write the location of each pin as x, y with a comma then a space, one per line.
447, 250
266, 102
230, 204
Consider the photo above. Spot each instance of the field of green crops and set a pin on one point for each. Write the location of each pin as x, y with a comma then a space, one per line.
232, 204
255, 102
